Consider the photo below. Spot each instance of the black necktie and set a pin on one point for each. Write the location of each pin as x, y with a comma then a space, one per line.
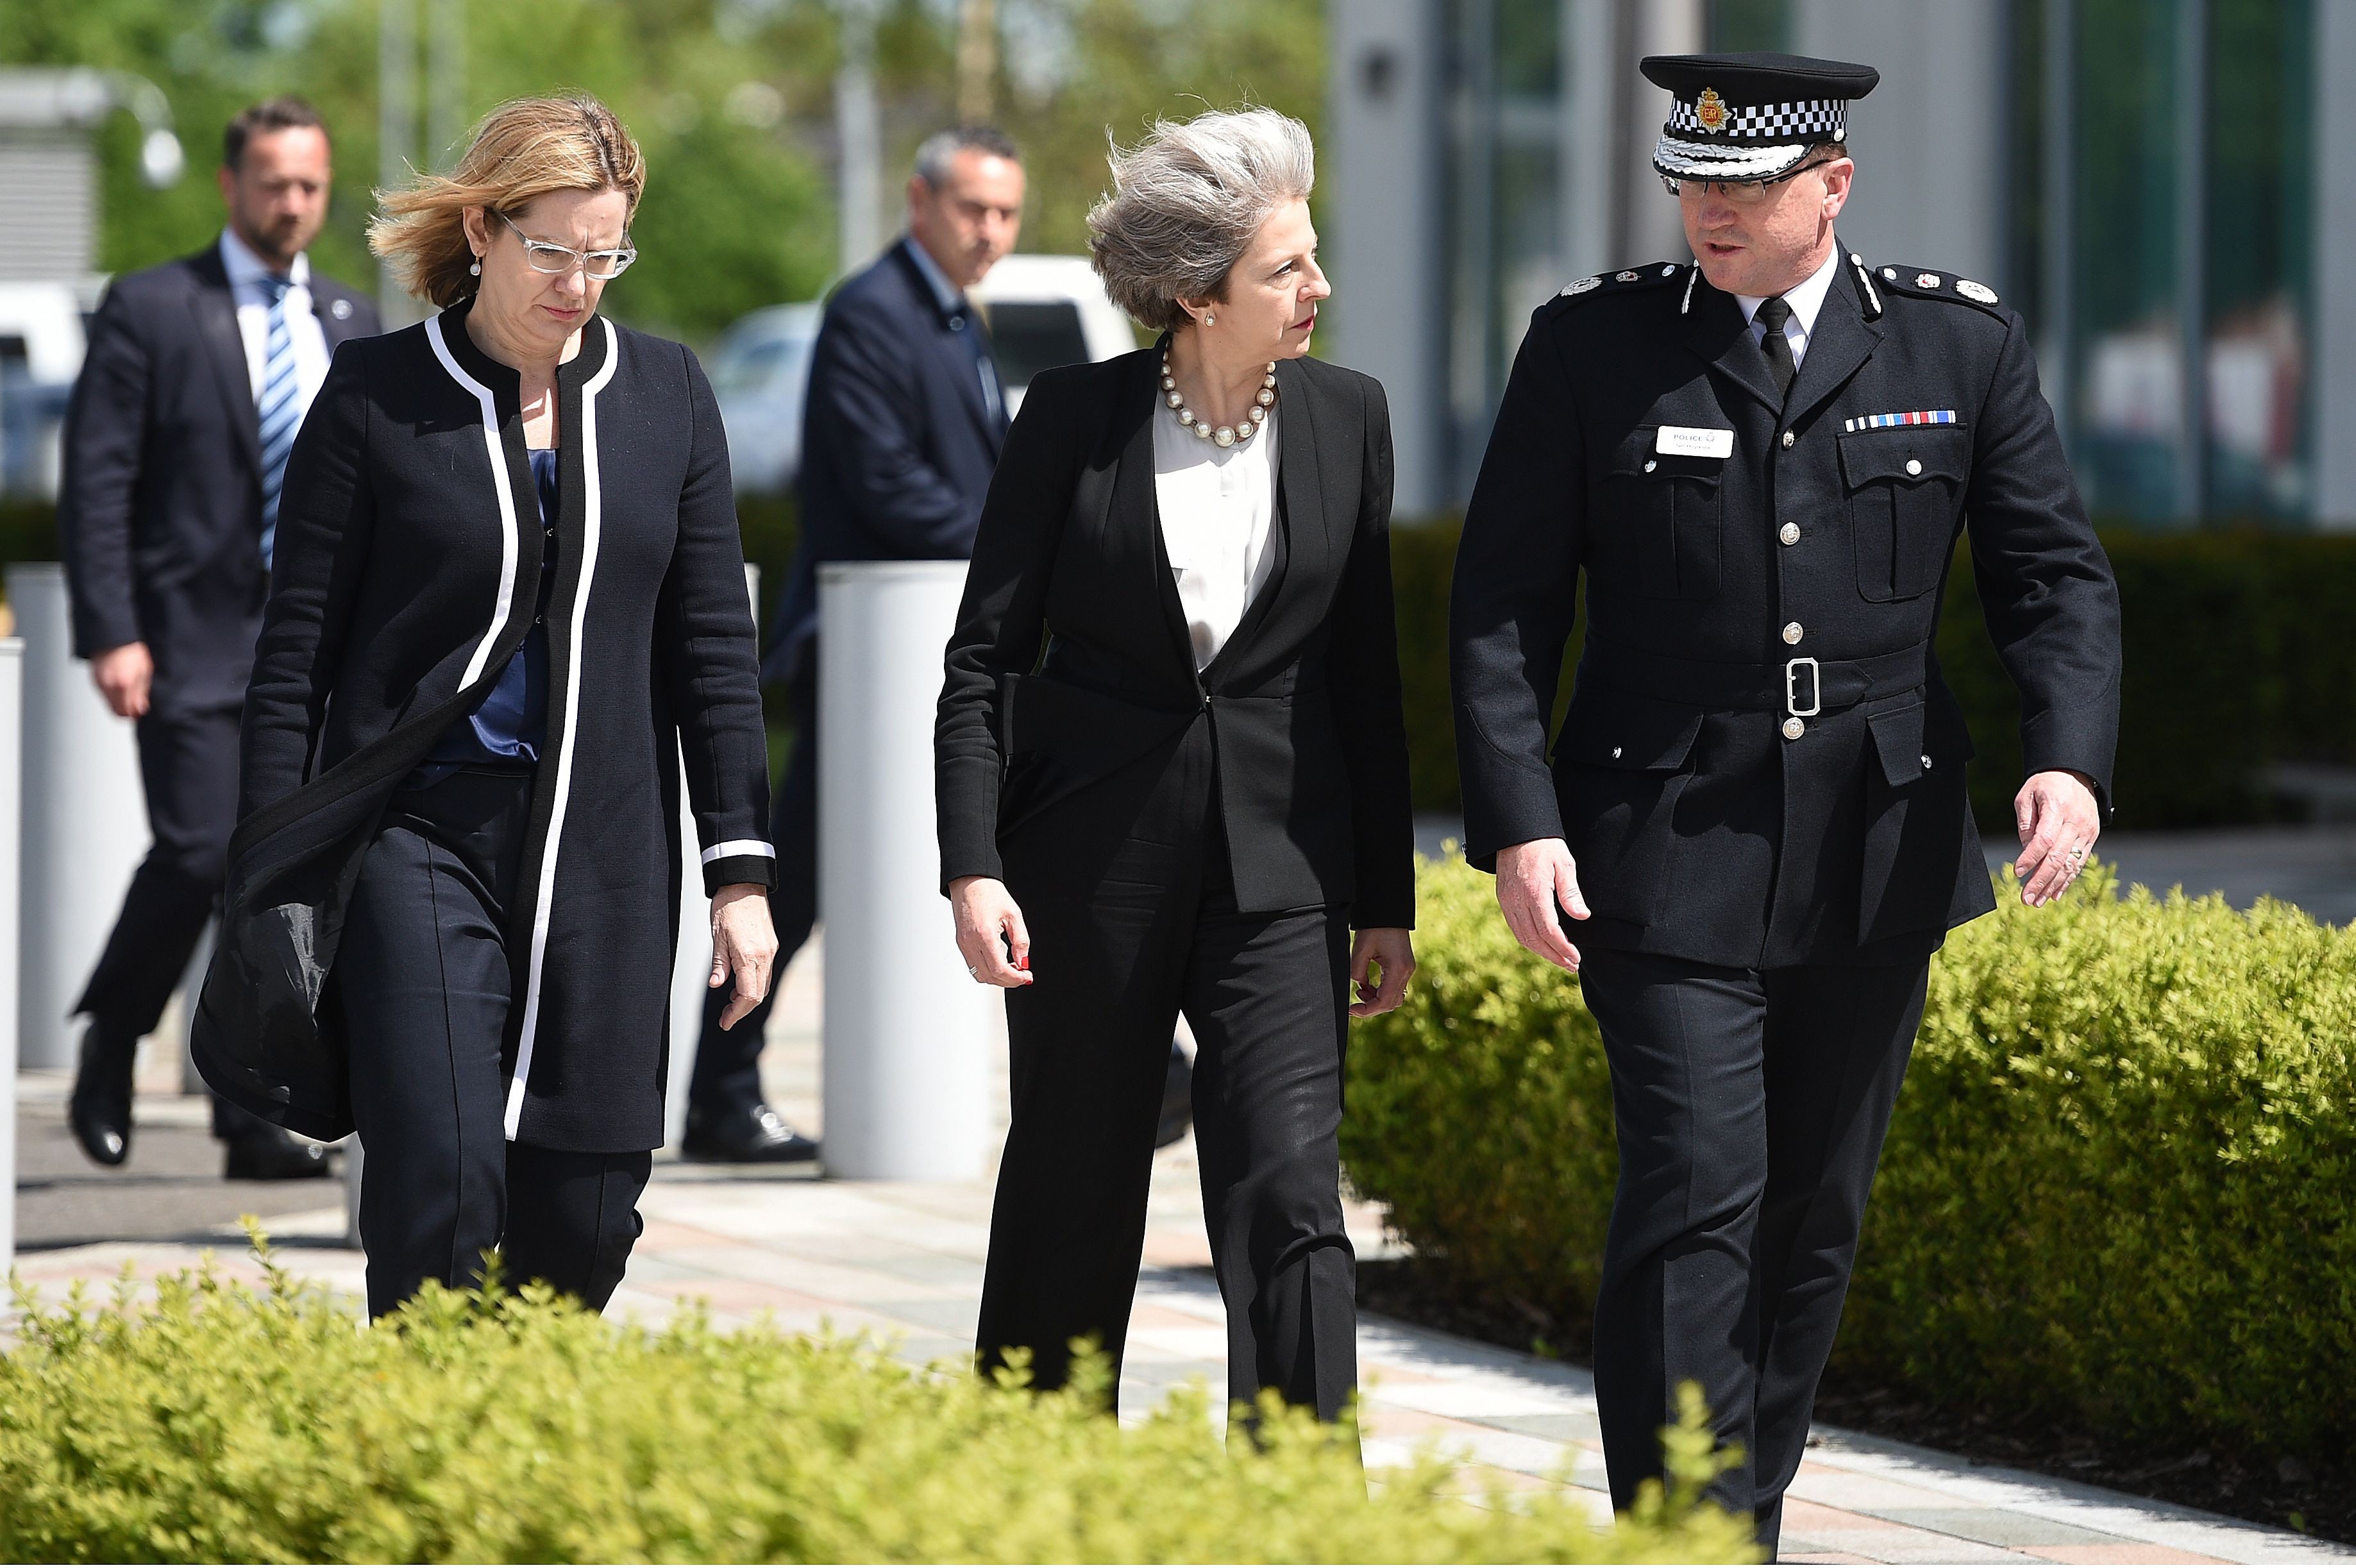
1775, 314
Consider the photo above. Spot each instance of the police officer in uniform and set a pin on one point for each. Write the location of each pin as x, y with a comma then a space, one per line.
1754, 819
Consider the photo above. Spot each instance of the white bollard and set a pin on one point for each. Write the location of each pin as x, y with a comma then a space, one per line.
84, 819
907, 1034
12, 717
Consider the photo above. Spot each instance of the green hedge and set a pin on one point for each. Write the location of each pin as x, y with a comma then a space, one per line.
2118, 1188
2239, 654
222, 1425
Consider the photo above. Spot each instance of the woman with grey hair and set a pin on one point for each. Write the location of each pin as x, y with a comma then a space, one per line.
1173, 769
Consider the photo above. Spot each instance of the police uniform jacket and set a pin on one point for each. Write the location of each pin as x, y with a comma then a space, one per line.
406, 577
1761, 764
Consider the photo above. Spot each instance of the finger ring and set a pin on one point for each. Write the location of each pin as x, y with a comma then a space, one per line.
971, 970
2078, 853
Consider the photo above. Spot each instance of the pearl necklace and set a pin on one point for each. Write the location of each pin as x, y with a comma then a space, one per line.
1226, 434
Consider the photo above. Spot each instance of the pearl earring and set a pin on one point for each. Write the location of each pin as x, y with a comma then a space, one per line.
1208, 318
474, 270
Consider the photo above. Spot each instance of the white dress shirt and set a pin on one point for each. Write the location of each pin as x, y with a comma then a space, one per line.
247, 278
1218, 514
1805, 298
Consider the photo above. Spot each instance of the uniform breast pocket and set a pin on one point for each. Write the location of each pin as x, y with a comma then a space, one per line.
1664, 508
1905, 490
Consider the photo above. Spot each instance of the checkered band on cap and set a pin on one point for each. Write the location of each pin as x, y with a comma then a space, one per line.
1808, 120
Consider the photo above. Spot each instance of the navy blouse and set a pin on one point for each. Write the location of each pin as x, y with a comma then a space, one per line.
510, 726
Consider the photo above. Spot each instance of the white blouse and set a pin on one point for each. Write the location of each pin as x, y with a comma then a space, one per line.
1218, 512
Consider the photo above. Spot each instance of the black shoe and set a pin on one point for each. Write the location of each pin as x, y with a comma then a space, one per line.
744, 1134
1177, 1099
274, 1154
100, 1111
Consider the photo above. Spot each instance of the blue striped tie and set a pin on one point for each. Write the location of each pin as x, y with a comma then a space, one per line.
281, 411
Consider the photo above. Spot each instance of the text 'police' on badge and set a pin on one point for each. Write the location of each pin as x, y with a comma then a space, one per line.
1684, 441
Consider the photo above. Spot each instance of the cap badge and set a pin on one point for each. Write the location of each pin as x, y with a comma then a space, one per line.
1978, 291
1583, 285
1926, 280
1709, 111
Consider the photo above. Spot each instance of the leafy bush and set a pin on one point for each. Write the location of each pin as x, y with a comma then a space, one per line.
219, 1425
2117, 1189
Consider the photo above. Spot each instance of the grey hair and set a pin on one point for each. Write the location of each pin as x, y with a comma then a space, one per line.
1186, 203
940, 149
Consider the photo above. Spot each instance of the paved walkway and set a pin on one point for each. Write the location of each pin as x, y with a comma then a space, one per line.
904, 1261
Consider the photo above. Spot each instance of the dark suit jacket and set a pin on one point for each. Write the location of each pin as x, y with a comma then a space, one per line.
898, 440
1701, 830
1071, 657
160, 515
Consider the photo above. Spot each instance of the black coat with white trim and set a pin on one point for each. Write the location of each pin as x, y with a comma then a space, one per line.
406, 577
1700, 830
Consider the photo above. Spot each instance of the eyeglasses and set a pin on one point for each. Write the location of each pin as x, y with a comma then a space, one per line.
545, 256
1741, 192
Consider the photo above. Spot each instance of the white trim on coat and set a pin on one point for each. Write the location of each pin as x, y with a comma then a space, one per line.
740, 846
508, 542
592, 507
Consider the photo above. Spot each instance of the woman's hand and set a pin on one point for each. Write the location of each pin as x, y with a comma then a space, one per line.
990, 924
744, 944
1390, 950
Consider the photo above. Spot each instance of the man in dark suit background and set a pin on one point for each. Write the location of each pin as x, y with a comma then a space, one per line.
901, 430
197, 378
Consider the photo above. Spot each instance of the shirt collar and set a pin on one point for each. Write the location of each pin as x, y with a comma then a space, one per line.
1806, 297
247, 270
944, 294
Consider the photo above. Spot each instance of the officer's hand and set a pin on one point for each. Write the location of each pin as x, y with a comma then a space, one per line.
2059, 823
1535, 881
744, 944
1388, 952
990, 934
122, 676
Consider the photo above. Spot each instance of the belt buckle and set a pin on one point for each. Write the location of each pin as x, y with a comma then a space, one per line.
1791, 688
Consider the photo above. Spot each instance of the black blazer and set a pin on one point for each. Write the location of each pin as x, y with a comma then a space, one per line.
159, 518
1723, 532
407, 575
1071, 656
897, 439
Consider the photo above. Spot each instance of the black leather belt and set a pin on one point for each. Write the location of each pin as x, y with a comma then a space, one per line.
1802, 688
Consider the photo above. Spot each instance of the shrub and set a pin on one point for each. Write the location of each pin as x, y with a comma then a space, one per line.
222, 1424
2117, 1189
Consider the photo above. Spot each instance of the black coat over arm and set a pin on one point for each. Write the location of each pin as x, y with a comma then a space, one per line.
1071, 655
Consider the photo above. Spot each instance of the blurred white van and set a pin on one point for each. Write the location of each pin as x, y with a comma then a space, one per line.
1042, 311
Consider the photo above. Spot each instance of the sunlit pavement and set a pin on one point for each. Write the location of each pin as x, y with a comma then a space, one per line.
903, 1262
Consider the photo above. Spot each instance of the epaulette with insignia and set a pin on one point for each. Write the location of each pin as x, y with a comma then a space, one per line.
1937, 285
1651, 274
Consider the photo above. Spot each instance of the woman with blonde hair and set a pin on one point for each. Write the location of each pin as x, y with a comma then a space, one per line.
507, 600
1173, 769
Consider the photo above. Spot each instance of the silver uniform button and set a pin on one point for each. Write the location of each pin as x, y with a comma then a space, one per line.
1793, 729
1926, 765
1913, 467
1791, 634
1789, 534
1649, 464
1615, 751
1789, 438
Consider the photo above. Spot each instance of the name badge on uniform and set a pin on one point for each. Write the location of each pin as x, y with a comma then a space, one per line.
1684, 441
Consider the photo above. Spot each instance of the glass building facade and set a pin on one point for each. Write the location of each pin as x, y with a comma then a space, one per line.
2158, 205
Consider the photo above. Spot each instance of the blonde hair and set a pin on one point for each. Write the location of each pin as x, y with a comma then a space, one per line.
524, 148
1186, 202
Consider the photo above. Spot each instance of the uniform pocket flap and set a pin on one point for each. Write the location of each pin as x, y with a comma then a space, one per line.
1898, 736
1638, 457
1906, 454
1618, 729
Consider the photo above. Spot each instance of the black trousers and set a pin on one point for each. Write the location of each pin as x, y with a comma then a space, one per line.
728, 1061
426, 987
1749, 1107
187, 767
1131, 922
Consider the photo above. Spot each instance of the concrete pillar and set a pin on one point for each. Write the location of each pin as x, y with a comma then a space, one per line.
1654, 229
1597, 73
84, 820
908, 1033
12, 715
1934, 139
2332, 293
1381, 207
